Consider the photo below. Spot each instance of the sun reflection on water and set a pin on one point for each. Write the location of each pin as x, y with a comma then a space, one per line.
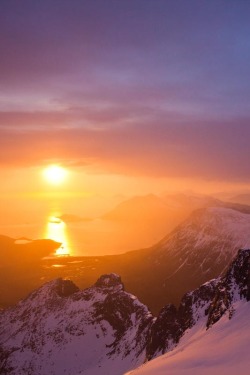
56, 230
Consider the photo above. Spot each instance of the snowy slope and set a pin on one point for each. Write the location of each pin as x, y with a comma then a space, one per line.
218, 340
220, 220
223, 349
203, 246
214, 232
199, 249
61, 330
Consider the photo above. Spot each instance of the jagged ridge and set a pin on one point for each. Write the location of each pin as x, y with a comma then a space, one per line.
59, 329
213, 299
103, 329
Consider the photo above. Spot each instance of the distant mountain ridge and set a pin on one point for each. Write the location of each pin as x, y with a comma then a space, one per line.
152, 206
241, 198
156, 206
197, 250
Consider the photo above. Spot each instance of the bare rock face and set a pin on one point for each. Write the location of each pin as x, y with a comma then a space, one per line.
66, 288
172, 323
109, 281
234, 286
212, 300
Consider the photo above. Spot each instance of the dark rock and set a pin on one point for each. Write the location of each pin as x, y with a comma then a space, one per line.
110, 280
234, 285
172, 323
65, 288
213, 299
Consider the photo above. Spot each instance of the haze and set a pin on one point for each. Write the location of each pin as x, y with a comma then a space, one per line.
131, 98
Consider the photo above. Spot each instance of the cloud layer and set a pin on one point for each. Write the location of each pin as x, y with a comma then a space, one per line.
144, 87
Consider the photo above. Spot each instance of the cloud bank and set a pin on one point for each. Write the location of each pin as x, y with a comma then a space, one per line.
143, 88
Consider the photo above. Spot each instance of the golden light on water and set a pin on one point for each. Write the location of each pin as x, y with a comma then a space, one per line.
56, 230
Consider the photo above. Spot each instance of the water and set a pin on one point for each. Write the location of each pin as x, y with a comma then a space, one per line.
95, 237
87, 238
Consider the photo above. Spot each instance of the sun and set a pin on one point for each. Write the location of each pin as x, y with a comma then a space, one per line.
55, 174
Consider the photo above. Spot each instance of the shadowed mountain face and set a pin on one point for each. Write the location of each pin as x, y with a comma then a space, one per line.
59, 329
209, 302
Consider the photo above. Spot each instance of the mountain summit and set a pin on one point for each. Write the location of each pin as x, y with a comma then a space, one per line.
61, 330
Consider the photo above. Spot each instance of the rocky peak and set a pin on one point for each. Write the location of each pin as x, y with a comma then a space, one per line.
235, 285
208, 302
239, 274
52, 291
109, 281
104, 329
66, 288
172, 323
103, 326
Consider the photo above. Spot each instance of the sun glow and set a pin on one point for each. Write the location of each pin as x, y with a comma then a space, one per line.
55, 174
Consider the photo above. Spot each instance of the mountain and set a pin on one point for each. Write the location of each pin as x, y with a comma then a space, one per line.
191, 201
153, 206
131, 209
241, 198
197, 250
59, 329
201, 247
210, 331
141, 221
146, 219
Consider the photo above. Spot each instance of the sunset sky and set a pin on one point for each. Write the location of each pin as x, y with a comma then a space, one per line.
148, 93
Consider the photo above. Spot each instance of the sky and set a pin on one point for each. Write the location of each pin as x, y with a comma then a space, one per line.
146, 90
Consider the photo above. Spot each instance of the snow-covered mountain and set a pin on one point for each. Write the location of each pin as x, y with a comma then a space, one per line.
143, 220
61, 330
223, 229
211, 328
200, 248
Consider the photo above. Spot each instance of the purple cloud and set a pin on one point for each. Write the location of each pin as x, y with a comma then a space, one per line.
144, 87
